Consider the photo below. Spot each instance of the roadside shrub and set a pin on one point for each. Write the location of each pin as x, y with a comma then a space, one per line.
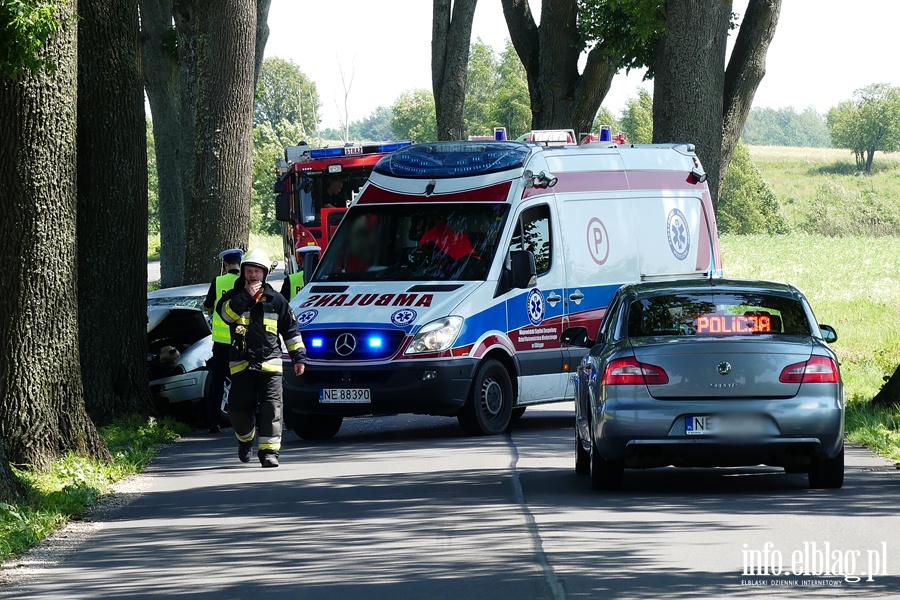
747, 204
839, 211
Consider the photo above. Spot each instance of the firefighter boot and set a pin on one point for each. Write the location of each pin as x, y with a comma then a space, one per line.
268, 458
244, 449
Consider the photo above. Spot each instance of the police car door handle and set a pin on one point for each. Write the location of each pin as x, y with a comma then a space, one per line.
576, 297
553, 298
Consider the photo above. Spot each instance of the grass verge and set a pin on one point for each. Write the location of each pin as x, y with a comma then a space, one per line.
74, 483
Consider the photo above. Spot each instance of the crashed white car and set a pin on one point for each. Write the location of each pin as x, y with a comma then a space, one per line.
179, 344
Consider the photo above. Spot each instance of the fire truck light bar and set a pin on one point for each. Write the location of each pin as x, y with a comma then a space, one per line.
357, 149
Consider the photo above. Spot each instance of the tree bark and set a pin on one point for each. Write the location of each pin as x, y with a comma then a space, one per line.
889, 395
745, 71
450, 39
160, 71
262, 36
112, 291
220, 197
561, 98
186, 29
42, 412
11, 489
690, 76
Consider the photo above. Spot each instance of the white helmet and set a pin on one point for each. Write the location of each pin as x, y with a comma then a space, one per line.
257, 258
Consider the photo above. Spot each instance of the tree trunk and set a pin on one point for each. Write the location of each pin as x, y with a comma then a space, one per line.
112, 308
186, 29
561, 98
42, 412
745, 71
262, 36
889, 395
690, 76
160, 71
220, 198
450, 39
11, 489
870, 156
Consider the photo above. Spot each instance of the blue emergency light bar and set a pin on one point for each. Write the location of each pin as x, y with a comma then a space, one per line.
453, 159
356, 150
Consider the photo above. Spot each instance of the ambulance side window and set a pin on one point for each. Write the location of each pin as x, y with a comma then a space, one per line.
533, 233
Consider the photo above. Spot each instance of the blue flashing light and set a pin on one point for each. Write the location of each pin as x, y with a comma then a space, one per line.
375, 342
326, 152
317, 342
453, 159
605, 134
391, 146
499, 133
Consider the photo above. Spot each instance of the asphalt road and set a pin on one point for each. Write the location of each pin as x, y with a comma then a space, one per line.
407, 508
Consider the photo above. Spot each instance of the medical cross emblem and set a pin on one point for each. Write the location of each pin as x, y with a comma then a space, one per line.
679, 234
535, 306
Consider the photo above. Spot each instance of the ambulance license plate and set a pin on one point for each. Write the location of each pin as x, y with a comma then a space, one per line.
345, 396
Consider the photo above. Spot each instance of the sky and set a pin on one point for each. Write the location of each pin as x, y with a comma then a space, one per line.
823, 50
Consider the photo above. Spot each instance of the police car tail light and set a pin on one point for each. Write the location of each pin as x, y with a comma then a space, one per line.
436, 336
628, 371
818, 369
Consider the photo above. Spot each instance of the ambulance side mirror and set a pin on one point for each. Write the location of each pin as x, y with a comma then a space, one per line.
522, 271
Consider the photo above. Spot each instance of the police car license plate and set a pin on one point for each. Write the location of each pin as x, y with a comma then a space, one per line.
345, 395
731, 425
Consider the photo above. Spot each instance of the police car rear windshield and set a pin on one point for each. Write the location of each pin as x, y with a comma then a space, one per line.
434, 242
716, 314
453, 159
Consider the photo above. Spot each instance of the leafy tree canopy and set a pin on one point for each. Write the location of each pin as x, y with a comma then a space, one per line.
25, 26
637, 118
414, 116
630, 29
868, 123
786, 127
285, 93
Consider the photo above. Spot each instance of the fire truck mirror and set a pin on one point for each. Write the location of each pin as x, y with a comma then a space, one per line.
283, 207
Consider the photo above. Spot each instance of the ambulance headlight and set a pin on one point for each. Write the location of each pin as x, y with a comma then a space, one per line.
436, 336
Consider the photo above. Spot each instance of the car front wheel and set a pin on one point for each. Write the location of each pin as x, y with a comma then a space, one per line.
827, 473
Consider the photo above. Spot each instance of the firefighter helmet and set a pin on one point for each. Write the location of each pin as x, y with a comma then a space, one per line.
257, 258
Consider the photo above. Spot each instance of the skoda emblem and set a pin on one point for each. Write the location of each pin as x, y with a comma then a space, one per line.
345, 344
724, 368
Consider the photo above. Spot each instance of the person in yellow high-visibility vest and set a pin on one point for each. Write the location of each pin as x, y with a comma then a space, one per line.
221, 334
292, 285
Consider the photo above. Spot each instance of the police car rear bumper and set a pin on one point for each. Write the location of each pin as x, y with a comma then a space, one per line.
424, 387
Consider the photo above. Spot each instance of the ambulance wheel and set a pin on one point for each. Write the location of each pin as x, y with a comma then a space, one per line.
488, 409
317, 427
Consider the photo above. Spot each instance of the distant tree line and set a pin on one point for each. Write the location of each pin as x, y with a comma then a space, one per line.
786, 127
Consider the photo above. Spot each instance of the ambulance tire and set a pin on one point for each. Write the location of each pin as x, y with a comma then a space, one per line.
317, 427
488, 409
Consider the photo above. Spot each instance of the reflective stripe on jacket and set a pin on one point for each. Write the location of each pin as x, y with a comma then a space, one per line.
220, 330
265, 320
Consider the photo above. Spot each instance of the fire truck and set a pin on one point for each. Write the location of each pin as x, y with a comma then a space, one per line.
303, 176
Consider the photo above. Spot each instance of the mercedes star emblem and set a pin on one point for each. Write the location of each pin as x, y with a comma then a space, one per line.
345, 344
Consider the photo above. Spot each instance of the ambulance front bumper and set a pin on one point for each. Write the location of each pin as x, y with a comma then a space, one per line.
425, 387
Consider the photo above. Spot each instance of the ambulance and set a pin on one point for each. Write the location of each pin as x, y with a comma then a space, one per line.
451, 277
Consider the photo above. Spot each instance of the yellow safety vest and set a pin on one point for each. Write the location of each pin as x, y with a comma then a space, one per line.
295, 280
221, 333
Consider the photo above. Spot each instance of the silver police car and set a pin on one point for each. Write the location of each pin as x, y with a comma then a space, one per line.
708, 373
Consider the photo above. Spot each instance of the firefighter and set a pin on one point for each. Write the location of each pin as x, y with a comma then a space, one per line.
257, 315
217, 366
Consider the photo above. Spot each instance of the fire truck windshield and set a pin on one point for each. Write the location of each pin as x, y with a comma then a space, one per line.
444, 242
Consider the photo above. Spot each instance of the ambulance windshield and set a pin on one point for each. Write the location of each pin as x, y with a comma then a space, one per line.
434, 242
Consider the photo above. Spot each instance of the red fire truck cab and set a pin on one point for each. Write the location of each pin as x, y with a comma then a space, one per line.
303, 176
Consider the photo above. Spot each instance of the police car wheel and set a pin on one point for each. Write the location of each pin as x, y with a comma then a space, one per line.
317, 427
488, 409
827, 473
582, 456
